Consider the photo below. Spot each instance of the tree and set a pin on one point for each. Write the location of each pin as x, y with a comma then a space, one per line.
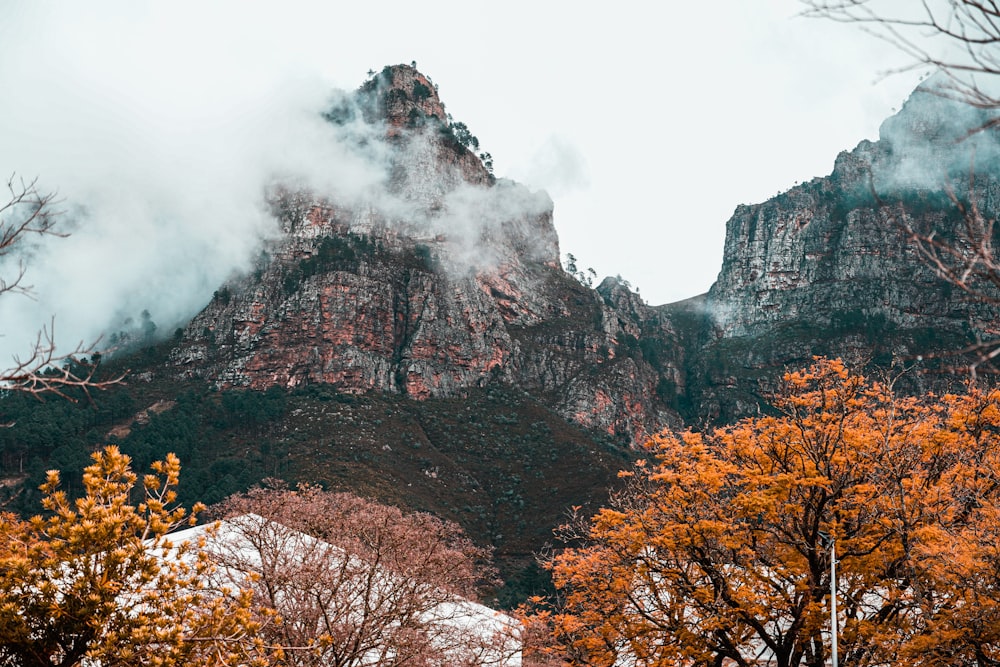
718, 551
957, 38
359, 583
27, 212
98, 581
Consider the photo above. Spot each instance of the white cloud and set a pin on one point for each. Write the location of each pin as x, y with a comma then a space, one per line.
165, 121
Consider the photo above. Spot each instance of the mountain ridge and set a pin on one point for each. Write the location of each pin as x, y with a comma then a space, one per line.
426, 347
456, 284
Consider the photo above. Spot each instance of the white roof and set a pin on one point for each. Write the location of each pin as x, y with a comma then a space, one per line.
481, 625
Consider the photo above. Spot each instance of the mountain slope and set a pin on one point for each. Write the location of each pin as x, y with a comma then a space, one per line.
422, 344
444, 281
827, 267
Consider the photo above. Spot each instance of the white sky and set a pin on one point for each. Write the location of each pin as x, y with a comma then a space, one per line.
647, 125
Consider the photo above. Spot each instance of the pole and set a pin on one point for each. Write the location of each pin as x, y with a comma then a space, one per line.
834, 626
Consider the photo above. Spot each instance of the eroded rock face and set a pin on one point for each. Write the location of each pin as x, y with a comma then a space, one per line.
827, 268
451, 281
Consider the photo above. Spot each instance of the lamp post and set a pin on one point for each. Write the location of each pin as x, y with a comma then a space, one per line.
831, 543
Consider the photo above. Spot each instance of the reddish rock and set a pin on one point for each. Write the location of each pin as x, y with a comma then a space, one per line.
464, 290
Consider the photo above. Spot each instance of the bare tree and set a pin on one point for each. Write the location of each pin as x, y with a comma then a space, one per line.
28, 211
357, 583
957, 38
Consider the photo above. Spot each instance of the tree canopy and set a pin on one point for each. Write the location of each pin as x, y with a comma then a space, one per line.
99, 580
325, 579
718, 549
359, 583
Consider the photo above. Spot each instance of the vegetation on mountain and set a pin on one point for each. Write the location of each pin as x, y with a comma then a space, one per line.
717, 550
498, 462
956, 41
720, 548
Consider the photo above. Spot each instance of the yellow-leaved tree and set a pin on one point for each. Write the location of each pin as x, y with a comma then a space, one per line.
719, 551
90, 583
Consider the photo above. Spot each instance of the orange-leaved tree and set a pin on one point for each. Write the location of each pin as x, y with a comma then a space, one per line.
97, 581
720, 550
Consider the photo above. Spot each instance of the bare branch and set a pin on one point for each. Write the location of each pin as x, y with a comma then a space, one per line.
46, 371
363, 583
30, 211
957, 38
26, 211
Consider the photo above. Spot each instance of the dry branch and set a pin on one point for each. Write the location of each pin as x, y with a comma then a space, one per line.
44, 370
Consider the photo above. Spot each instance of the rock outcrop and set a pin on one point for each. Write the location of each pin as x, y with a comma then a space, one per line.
828, 268
448, 279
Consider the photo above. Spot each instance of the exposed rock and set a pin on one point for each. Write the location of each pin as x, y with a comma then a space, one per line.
457, 287
826, 268
121, 431
452, 281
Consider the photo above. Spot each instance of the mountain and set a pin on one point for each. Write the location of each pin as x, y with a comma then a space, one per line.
450, 281
422, 344
828, 268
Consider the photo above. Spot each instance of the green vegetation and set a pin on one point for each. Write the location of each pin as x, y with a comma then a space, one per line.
462, 134
497, 461
420, 91
339, 253
347, 252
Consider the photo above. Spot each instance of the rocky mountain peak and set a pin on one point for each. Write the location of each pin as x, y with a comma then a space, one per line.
402, 95
931, 114
444, 281
828, 268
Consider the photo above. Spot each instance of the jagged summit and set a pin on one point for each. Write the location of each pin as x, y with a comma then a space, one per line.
448, 280
407, 103
444, 281
933, 114
403, 97
437, 349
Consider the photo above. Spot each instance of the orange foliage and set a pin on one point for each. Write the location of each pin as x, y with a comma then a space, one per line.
720, 552
86, 585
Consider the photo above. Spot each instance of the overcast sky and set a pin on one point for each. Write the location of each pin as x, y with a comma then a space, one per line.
647, 125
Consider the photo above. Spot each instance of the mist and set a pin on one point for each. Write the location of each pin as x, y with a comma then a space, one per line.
936, 141
163, 167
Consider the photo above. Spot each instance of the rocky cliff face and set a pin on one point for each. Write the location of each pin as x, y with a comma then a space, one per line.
827, 268
446, 280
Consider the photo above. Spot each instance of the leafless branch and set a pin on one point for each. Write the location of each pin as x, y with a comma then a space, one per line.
44, 370
958, 38
26, 211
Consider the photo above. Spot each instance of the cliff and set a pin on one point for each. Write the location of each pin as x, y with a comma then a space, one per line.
828, 268
444, 280
422, 344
